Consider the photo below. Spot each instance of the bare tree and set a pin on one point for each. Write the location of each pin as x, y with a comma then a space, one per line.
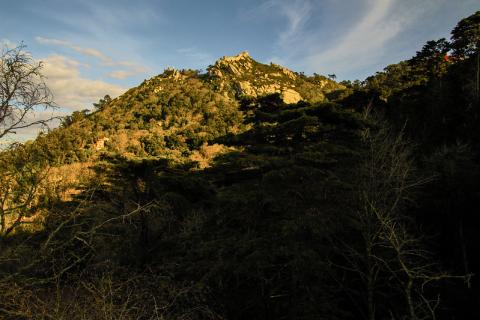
390, 259
23, 91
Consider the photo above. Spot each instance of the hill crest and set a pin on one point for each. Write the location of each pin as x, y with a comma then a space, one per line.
245, 76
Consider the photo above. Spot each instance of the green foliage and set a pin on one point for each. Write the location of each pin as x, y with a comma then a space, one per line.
21, 174
153, 145
466, 36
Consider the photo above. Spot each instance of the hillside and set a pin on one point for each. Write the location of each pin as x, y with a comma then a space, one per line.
177, 112
254, 192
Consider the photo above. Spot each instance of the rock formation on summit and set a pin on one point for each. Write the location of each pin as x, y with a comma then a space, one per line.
246, 77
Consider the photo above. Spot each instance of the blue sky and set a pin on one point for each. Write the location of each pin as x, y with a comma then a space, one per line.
92, 48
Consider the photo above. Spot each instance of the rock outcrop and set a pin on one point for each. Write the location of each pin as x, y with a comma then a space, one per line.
290, 96
246, 77
241, 75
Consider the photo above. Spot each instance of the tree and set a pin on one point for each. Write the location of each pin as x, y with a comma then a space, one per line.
391, 259
431, 60
466, 43
466, 36
21, 177
432, 50
102, 103
23, 90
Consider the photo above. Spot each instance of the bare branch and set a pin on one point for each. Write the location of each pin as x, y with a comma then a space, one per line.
23, 91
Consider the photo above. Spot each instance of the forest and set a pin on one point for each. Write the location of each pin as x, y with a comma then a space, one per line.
211, 195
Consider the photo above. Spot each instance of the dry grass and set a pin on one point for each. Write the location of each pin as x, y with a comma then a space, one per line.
66, 181
60, 184
207, 153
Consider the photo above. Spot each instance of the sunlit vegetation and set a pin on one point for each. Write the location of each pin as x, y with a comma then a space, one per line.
187, 198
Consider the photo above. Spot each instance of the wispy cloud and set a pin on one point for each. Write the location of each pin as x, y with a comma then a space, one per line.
120, 16
365, 41
106, 61
355, 39
71, 90
85, 51
297, 13
6, 43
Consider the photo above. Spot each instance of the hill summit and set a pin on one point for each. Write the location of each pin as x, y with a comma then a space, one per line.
242, 76
247, 77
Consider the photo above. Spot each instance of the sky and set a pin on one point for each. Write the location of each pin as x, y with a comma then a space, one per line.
91, 48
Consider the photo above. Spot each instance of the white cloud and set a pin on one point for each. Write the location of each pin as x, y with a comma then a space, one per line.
53, 118
105, 61
70, 89
71, 92
50, 116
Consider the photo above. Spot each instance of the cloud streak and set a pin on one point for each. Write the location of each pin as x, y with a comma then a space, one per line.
132, 68
313, 40
71, 90
295, 12
85, 51
365, 41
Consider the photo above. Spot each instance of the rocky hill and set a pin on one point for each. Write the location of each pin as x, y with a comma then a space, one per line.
177, 113
241, 76
247, 77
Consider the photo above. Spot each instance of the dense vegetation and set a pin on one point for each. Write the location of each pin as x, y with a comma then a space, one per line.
187, 198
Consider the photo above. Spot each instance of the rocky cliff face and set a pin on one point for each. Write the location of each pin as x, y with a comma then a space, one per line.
246, 77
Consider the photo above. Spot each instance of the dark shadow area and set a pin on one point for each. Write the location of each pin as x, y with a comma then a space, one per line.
268, 231
435, 103
247, 238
